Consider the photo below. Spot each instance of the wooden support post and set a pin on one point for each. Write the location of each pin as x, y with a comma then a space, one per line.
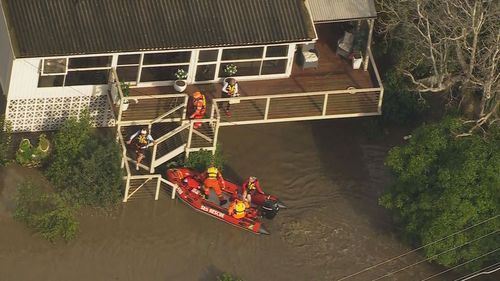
174, 190
127, 187
190, 136
184, 111
368, 44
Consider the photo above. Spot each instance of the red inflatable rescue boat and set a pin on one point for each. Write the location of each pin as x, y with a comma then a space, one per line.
190, 192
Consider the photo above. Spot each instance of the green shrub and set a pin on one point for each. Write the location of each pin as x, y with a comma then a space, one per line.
443, 185
400, 105
45, 213
24, 152
85, 167
30, 156
5, 140
200, 160
227, 277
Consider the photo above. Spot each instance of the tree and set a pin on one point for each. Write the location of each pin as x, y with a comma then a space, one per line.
46, 213
448, 45
86, 166
445, 184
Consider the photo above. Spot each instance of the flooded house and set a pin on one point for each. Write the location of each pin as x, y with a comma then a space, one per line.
295, 60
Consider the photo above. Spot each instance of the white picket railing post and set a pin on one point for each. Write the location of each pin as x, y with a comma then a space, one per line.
268, 104
325, 103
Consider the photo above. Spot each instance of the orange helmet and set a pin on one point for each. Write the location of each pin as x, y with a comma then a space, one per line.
196, 95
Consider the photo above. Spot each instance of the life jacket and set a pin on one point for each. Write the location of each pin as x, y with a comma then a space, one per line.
212, 172
231, 89
251, 185
239, 209
142, 141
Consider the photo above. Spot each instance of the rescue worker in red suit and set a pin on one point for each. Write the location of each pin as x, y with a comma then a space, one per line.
200, 107
214, 180
250, 187
238, 208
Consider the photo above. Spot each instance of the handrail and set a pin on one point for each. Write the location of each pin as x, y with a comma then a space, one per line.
171, 133
304, 94
144, 97
167, 113
125, 163
173, 185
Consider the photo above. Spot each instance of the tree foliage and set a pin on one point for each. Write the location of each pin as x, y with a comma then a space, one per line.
448, 45
86, 166
46, 213
227, 277
400, 105
445, 184
200, 160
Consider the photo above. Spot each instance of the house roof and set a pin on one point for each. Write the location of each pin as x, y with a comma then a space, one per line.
67, 27
341, 10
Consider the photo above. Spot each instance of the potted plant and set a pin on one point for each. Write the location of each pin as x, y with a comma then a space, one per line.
180, 84
125, 87
230, 70
357, 59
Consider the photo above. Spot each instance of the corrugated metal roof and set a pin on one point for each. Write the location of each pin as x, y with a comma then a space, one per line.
64, 27
341, 10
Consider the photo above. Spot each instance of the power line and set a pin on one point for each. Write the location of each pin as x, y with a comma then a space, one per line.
436, 255
417, 249
482, 271
464, 263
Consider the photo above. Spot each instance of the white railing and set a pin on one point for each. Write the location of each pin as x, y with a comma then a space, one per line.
322, 113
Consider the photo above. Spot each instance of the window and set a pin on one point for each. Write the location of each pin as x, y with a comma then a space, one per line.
127, 67
54, 66
167, 58
205, 72
129, 59
277, 51
89, 62
273, 67
87, 77
242, 53
208, 56
247, 68
75, 71
51, 81
161, 73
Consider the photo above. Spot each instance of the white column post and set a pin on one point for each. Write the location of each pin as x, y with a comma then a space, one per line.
368, 44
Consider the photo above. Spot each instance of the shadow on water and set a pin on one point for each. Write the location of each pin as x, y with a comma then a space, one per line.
346, 149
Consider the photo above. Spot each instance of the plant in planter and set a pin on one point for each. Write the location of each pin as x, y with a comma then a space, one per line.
180, 83
230, 70
24, 153
29, 156
125, 87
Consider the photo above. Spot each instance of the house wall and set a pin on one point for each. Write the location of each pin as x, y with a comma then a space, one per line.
34, 108
30, 108
6, 53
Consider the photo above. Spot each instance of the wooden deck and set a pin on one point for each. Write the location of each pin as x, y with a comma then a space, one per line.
332, 74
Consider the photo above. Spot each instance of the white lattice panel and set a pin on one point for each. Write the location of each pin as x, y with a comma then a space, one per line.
46, 114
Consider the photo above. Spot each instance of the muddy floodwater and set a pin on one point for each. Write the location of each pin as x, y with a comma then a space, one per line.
327, 172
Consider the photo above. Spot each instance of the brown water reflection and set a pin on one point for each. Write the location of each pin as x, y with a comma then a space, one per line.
326, 172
